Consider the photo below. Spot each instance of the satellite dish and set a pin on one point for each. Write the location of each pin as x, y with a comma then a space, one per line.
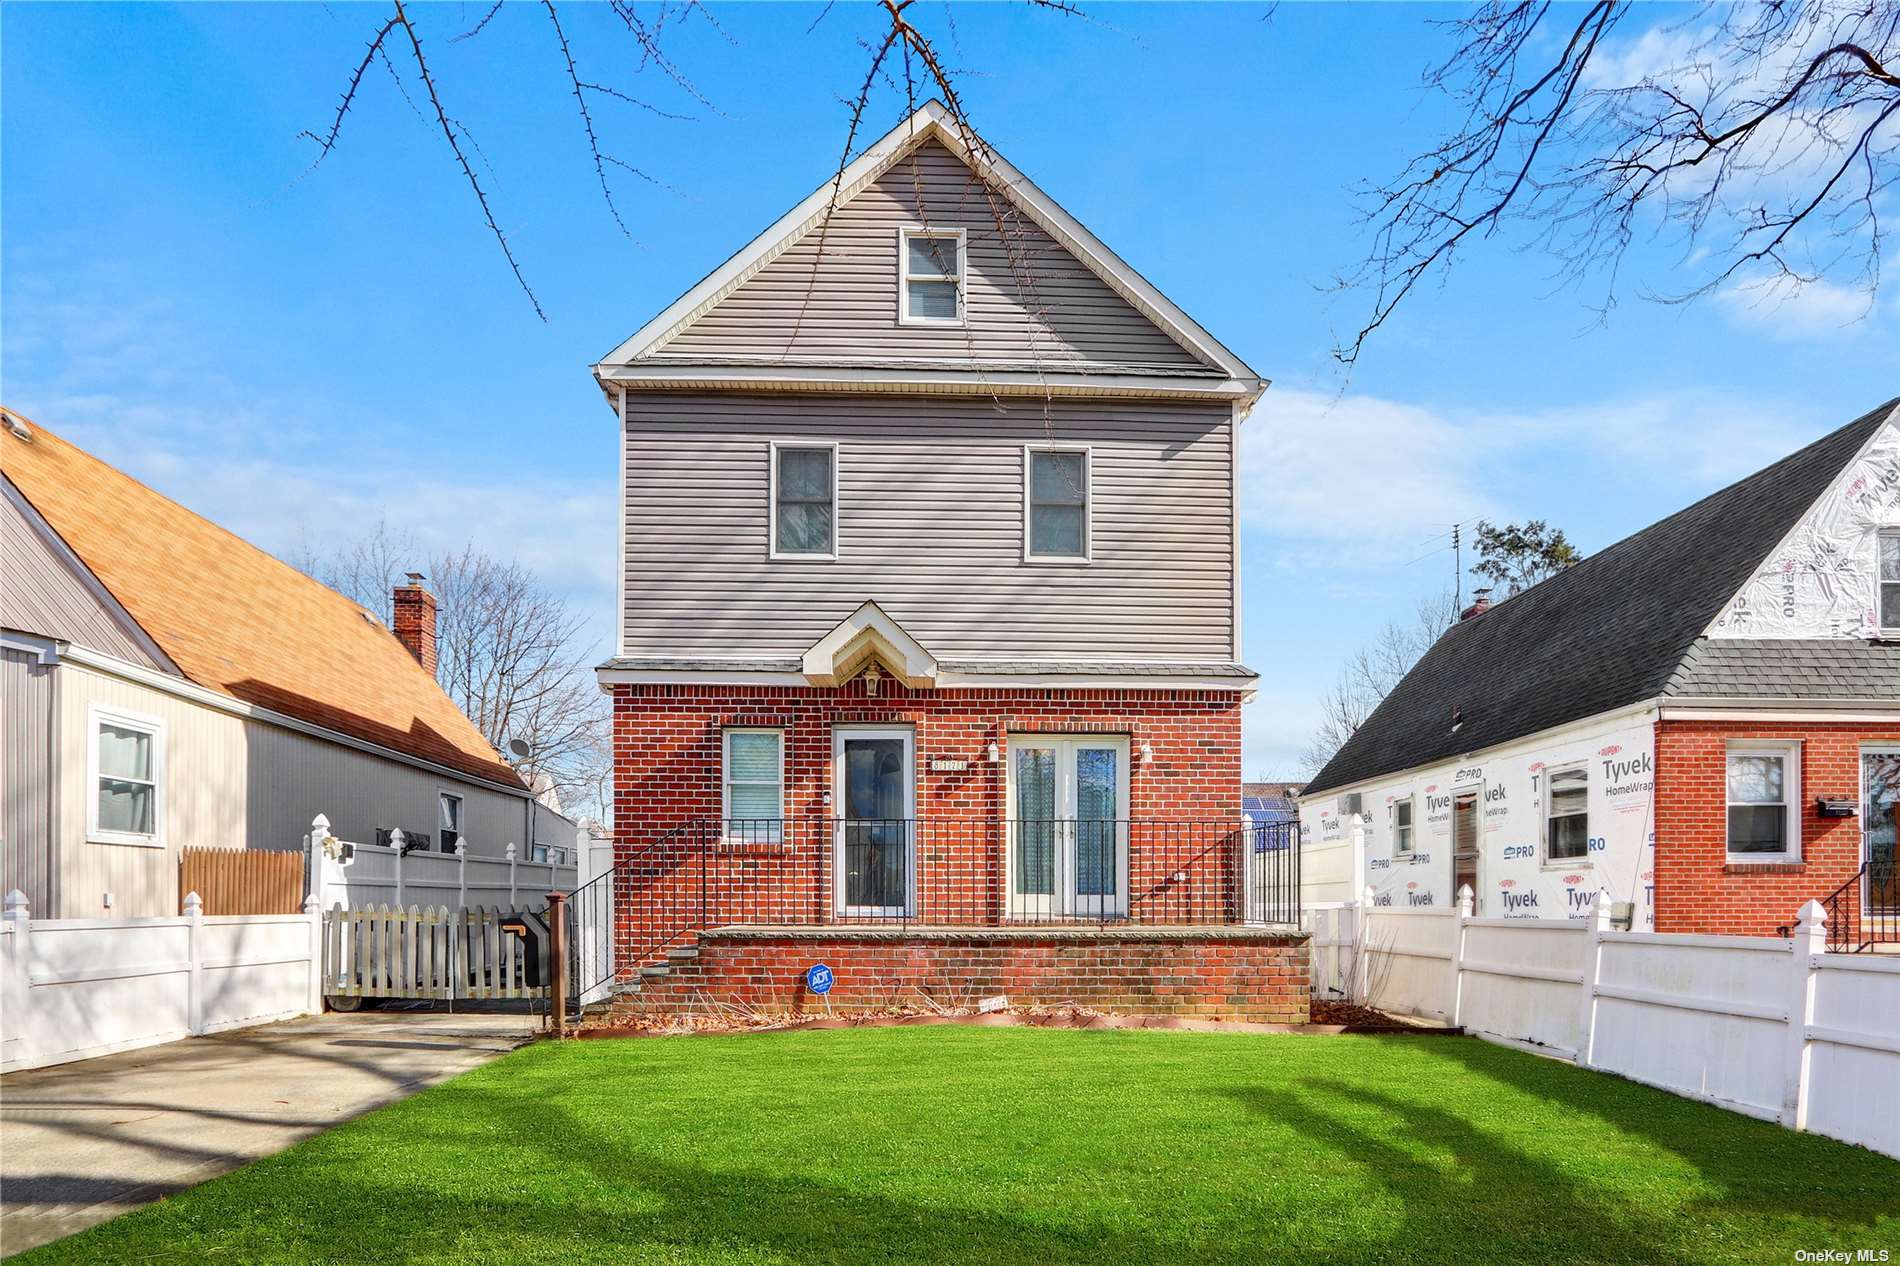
520, 749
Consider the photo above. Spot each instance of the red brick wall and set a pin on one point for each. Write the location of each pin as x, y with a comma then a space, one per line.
1696, 889
667, 765
1234, 974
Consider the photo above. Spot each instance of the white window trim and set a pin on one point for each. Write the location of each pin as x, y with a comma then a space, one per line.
1884, 534
1088, 506
725, 760
461, 820
771, 522
1790, 751
904, 234
97, 715
1550, 799
1392, 820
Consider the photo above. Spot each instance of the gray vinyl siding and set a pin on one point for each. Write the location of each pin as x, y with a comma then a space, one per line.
930, 525
26, 792
44, 594
850, 306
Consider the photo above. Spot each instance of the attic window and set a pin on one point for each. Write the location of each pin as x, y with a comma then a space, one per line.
930, 276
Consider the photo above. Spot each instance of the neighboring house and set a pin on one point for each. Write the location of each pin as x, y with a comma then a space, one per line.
1270, 803
167, 685
930, 603
1701, 721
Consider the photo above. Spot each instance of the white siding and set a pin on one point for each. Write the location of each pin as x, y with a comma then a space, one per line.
45, 593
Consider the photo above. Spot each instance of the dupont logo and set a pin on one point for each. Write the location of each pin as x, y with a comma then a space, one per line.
1429, 790
1411, 885
1507, 883
1390, 799
1573, 880
1536, 765
1611, 750
1647, 875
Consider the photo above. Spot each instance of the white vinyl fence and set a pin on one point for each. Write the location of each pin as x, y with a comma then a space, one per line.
75, 988
1777, 1029
360, 876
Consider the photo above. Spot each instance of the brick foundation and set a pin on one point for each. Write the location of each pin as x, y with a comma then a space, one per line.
1209, 973
1697, 888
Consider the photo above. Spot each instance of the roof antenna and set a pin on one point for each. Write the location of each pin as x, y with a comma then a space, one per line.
1457, 570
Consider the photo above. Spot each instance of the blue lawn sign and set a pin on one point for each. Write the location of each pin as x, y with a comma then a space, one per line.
818, 979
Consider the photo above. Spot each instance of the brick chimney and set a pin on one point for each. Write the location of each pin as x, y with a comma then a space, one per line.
415, 620
1480, 603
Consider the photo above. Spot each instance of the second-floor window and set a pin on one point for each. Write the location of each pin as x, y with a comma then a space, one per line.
930, 276
804, 501
1056, 490
1890, 580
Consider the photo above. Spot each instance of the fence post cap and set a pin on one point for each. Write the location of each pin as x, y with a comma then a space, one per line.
194, 904
510, 853
311, 905
1812, 914
461, 848
16, 905
320, 825
1365, 897
1467, 900
397, 838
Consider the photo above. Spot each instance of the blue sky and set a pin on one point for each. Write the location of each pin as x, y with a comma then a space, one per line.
294, 353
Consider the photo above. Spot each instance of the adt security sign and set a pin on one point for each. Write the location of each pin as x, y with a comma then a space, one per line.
818, 979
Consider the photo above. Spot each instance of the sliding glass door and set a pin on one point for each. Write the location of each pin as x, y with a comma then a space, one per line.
1068, 818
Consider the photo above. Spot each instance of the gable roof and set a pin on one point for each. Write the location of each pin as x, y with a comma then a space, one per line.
933, 122
236, 620
1610, 632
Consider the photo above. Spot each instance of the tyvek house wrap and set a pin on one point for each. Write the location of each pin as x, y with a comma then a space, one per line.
1822, 580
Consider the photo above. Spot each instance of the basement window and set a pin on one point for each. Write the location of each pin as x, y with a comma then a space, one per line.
1567, 815
930, 277
1763, 795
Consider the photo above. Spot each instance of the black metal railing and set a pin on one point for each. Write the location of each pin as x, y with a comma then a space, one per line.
669, 884
1864, 912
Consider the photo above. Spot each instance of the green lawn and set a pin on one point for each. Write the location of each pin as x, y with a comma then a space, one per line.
967, 1145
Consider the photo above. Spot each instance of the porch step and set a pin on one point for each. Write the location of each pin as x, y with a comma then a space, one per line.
683, 953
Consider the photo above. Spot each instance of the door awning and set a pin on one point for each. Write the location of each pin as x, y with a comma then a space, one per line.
868, 635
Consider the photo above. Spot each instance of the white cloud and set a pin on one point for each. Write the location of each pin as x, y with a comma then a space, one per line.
1786, 308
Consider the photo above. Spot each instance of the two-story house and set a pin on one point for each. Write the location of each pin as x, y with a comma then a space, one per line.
930, 613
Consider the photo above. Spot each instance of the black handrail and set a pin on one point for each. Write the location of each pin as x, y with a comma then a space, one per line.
1864, 911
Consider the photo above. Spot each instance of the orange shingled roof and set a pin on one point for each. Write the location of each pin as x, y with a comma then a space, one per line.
238, 621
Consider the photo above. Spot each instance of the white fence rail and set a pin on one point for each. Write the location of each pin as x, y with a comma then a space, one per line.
1777, 1029
75, 988
358, 876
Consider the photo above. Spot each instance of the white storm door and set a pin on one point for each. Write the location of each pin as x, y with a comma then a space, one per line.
874, 777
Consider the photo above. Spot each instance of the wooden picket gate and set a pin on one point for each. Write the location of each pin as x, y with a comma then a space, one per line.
435, 952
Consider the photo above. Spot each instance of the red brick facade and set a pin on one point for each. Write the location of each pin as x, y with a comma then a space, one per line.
1184, 770
1697, 888
1208, 973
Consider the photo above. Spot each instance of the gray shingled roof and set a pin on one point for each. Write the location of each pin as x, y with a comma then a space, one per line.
1025, 667
1610, 632
1787, 668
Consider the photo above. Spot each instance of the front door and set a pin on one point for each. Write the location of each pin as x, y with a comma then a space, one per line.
1880, 831
875, 780
1068, 811
1464, 847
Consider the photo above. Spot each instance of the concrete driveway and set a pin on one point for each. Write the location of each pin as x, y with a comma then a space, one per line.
85, 1142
